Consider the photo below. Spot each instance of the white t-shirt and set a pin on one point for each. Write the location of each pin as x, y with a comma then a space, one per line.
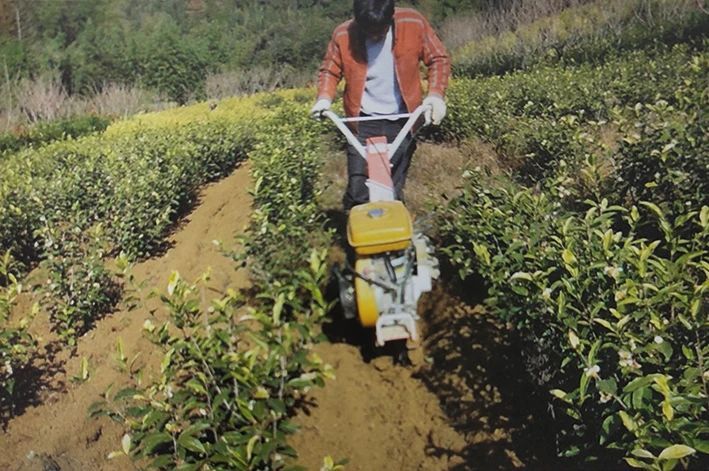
381, 89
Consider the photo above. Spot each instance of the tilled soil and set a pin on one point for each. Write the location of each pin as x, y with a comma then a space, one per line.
461, 405
51, 429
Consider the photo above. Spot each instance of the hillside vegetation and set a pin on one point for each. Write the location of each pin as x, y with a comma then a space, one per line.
592, 241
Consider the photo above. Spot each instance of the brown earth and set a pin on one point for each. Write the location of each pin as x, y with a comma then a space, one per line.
460, 406
51, 430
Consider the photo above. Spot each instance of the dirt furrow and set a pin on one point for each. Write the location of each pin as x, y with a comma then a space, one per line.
53, 430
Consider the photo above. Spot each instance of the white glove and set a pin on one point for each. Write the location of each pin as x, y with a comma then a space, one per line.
321, 105
435, 110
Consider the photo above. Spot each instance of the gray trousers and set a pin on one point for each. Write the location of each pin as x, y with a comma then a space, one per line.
357, 192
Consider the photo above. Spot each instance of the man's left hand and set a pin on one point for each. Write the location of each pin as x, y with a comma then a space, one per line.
436, 110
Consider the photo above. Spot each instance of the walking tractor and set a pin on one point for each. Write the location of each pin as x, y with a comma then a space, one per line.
393, 263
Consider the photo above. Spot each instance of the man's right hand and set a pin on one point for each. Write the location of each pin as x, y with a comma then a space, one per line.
321, 105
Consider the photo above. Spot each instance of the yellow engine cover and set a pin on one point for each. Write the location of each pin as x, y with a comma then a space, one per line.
367, 310
377, 227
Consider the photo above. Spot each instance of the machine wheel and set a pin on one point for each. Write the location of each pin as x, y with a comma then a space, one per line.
364, 293
401, 354
346, 290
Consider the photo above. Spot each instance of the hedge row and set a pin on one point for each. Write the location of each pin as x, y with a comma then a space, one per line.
549, 117
232, 376
44, 133
71, 204
597, 251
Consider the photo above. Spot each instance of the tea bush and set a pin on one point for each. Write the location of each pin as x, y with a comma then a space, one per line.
286, 166
615, 324
44, 133
228, 381
664, 153
537, 118
79, 288
73, 203
609, 300
232, 375
16, 344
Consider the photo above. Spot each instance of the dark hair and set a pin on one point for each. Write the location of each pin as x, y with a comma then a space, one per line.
373, 13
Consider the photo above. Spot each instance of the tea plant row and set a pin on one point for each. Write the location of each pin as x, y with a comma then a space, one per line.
542, 120
595, 247
51, 131
72, 204
232, 373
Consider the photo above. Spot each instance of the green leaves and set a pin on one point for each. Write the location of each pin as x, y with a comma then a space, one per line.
617, 306
676, 452
16, 343
191, 443
228, 381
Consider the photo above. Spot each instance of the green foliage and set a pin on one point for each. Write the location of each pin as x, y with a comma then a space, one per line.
46, 132
609, 300
286, 170
79, 288
664, 154
170, 64
16, 344
99, 55
135, 185
615, 324
538, 118
228, 381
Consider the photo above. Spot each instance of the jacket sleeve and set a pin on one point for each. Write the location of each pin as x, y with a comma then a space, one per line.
437, 60
330, 72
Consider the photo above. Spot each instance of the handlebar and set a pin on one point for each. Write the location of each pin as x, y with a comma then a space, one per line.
354, 142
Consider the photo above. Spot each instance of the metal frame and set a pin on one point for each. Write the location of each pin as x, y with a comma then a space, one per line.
352, 139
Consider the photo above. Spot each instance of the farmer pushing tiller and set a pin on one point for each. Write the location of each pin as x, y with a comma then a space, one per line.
378, 54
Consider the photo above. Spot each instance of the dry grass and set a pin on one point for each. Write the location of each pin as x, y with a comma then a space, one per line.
436, 172
527, 27
24, 102
254, 80
42, 99
121, 100
460, 30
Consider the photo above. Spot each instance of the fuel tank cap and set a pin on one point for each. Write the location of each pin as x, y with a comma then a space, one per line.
375, 213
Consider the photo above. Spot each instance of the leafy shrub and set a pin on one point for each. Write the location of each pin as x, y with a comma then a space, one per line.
16, 344
609, 300
228, 381
136, 179
52, 131
537, 118
286, 166
664, 155
615, 324
79, 289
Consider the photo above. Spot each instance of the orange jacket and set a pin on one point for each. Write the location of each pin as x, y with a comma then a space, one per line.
414, 41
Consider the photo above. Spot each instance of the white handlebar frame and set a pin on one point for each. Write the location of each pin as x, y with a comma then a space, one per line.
352, 139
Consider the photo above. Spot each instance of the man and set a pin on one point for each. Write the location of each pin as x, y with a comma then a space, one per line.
378, 54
